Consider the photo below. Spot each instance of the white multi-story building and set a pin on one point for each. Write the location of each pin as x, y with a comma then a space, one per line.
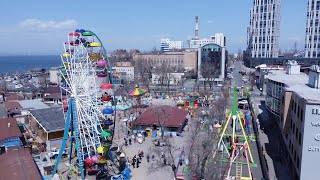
217, 38
264, 29
293, 98
312, 39
167, 45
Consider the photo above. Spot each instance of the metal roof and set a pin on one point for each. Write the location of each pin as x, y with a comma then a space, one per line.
18, 165
9, 128
51, 119
33, 104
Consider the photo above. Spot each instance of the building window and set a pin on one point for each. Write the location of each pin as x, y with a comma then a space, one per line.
301, 115
300, 138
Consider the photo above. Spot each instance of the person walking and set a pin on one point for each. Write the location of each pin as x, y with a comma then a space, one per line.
138, 162
148, 158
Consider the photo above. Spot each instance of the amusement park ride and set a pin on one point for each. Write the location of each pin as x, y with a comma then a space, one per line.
86, 73
234, 142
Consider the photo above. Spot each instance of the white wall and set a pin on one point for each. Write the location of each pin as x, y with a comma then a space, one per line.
54, 76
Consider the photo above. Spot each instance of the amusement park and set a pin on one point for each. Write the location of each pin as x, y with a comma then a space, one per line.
114, 134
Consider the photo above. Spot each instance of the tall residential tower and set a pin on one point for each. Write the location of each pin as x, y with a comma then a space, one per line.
264, 29
312, 40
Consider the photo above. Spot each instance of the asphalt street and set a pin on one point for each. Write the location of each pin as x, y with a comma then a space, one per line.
256, 171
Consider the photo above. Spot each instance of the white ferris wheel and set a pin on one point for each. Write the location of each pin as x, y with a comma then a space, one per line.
85, 67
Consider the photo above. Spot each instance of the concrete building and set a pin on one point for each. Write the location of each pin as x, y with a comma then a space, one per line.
168, 45
211, 55
126, 72
172, 78
186, 59
217, 38
54, 76
312, 38
264, 29
294, 99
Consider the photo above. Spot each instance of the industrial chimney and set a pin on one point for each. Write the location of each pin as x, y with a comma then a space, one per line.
197, 27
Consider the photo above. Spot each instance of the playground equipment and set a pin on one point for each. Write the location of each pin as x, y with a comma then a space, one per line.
234, 143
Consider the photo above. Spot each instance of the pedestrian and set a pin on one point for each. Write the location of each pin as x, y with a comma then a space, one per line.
126, 142
128, 162
165, 161
133, 163
130, 141
138, 162
152, 157
148, 158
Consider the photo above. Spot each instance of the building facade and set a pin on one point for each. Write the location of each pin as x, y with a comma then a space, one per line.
293, 98
126, 72
169, 78
168, 45
54, 76
312, 38
264, 29
211, 62
186, 59
217, 38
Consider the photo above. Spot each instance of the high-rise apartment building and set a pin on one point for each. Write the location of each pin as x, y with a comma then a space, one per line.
167, 45
264, 29
312, 39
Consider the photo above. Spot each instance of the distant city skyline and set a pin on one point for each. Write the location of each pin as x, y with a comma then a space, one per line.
40, 29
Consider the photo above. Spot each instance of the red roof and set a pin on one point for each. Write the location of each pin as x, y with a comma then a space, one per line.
165, 116
11, 96
12, 106
18, 165
51, 90
8, 132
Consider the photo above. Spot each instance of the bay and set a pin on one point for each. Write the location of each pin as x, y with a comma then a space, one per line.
12, 64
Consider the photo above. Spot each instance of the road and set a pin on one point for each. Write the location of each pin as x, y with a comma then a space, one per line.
256, 171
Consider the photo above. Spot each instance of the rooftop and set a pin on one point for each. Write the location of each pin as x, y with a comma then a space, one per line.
18, 165
51, 119
33, 104
166, 115
52, 89
297, 83
9, 128
13, 96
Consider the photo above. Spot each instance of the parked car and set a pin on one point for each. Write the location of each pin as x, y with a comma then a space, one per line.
54, 152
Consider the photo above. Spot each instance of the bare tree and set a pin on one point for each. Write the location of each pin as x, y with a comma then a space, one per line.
209, 71
203, 162
163, 72
143, 72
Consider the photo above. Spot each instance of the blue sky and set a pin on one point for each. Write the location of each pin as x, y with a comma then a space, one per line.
41, 27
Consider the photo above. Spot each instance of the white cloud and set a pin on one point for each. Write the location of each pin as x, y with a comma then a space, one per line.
210, 21
40, 25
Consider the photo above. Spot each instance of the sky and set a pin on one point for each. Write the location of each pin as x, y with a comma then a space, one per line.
40, 27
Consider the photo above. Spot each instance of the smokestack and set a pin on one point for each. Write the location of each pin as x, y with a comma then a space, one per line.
197, 27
